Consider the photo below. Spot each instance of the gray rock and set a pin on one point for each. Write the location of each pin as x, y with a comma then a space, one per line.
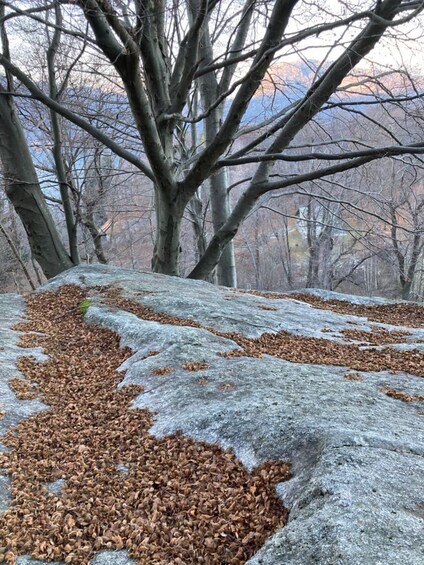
55, 487
112, 558
4, 492
221, 308
331, 295
27, 560
102, 558
123, 468
356, 496
12, 309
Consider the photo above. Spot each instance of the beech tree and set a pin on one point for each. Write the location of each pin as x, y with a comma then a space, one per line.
23, 190
199, 63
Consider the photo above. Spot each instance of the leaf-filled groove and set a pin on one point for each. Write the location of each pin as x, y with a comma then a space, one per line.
302, 349
180, 501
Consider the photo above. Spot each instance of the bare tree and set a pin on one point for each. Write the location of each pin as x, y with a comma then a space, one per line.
63, 178
23, 190
161, 54
405, 211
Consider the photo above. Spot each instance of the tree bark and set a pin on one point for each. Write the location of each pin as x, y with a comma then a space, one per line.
167, 250
24, 192
17, 255
71, 224
313, 249
220, 203
195, 210
96, 236
218, 181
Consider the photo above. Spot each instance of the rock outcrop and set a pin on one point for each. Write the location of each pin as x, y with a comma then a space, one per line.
356, 495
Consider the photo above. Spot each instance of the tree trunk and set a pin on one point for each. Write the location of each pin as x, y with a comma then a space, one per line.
313, 249
96, 236
406, 289
167, 250
17, 255
37, 272
313, 267
218, 182
326, 244
196, 212
71, 224
220, 203
24, 192
415, 255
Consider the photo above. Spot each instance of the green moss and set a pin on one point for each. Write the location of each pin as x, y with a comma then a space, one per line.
84, 305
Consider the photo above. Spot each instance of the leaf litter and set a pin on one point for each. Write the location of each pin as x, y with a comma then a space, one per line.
302, 349
181, 502
407, 314
401, 395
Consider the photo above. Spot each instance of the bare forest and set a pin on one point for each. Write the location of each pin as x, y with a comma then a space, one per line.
271, 145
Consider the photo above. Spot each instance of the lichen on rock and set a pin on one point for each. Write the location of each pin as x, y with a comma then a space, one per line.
356, 452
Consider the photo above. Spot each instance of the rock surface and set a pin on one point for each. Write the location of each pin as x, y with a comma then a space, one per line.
357, 492
12, 410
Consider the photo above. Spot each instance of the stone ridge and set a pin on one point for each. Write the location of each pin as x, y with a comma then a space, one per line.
87, 475
12, 410
356, 496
